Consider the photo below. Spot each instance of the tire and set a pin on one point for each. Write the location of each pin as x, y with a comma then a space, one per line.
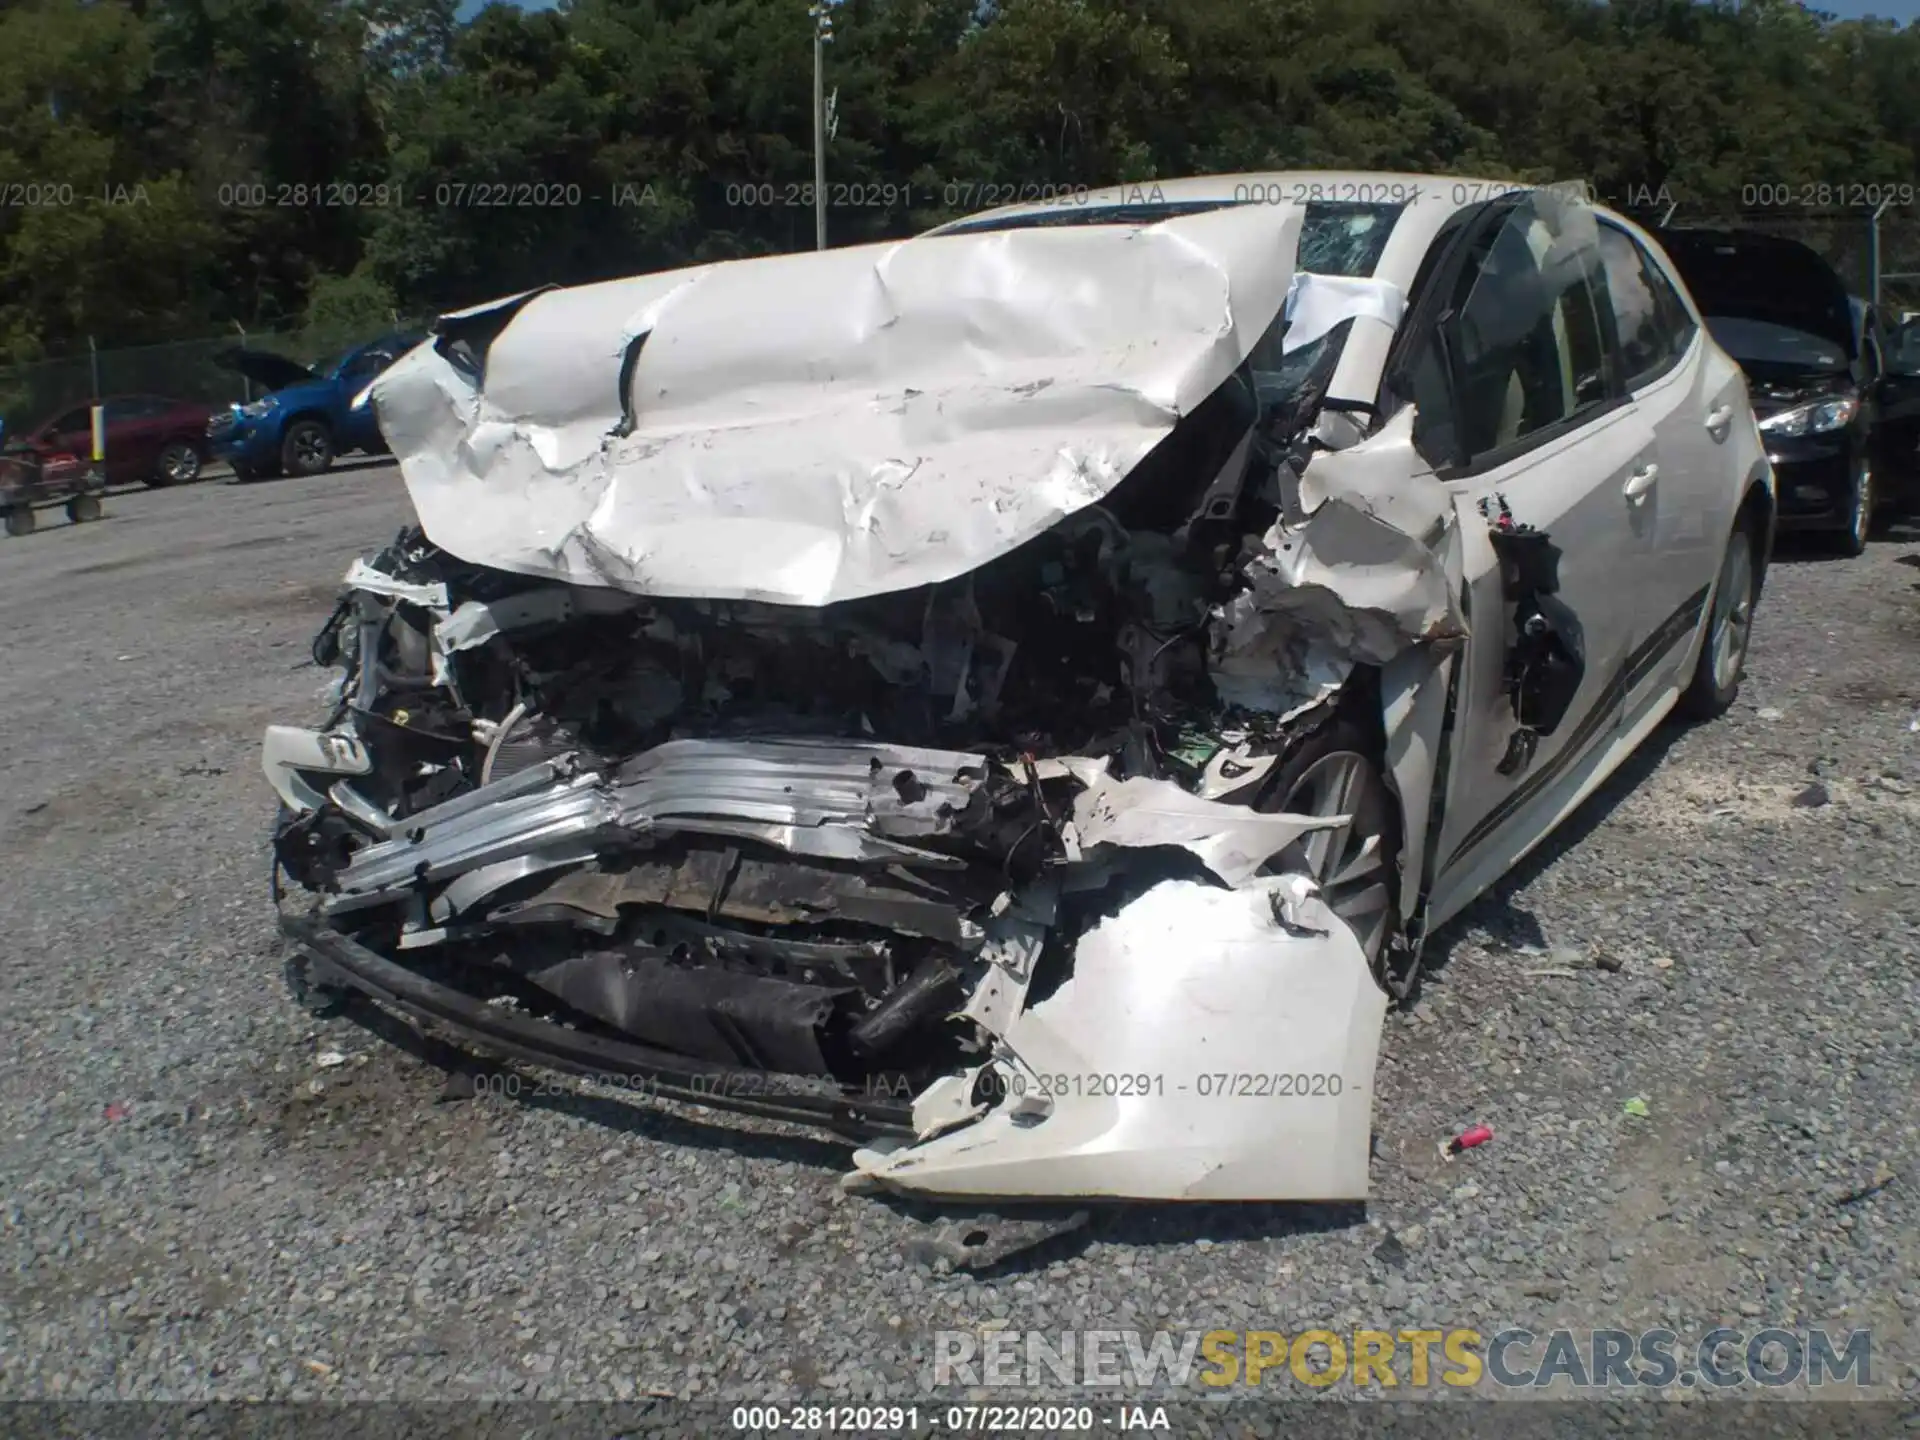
1357, 865
1723, 649
1852, 541
82, 508
307, 448
20, 520
177, 464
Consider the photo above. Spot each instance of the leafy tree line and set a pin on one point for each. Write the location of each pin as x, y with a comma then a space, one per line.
172, 167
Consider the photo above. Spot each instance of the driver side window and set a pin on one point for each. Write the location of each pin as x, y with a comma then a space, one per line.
1521, 352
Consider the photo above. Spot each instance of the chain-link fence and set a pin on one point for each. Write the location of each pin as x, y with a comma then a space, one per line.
178, 370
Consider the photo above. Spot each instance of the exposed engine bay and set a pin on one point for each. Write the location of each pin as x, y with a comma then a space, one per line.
799, 840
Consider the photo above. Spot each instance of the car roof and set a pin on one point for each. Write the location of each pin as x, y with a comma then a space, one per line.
1303, 185
1427, 202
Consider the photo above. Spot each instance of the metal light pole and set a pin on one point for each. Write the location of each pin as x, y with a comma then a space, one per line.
822, 13
1873, 253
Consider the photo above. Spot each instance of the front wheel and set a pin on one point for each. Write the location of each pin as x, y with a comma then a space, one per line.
82, 508
1723, 653
177, 464
1853, 540
1335, 773
307, 448
20, 520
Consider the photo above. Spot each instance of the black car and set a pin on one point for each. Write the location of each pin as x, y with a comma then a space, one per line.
1899, 435
1814, 359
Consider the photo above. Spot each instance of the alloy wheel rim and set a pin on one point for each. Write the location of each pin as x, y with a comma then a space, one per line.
182, 466
1348, 862
1732, 612
309, 446
1862, 518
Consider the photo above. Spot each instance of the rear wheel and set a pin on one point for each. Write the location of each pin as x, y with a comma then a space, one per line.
307, 448
1335, 773
1723, 653
82, 508
20, 520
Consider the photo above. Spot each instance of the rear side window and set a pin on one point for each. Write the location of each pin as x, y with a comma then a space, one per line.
1653, 326
1523, 352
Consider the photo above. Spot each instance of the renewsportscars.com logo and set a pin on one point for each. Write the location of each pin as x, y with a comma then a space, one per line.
1513, 1358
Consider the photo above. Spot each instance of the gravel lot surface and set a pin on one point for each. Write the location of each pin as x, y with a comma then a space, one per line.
194, 1201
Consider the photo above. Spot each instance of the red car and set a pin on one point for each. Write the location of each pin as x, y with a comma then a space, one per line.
150, 438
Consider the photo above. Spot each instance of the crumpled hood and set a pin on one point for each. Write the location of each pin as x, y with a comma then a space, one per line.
810, 428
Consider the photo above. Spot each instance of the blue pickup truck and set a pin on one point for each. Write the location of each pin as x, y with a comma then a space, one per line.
309, 415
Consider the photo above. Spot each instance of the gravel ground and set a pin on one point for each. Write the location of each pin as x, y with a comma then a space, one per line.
195, 1205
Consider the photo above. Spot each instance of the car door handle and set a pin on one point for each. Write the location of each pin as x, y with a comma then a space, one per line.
1720, 422
1641, 481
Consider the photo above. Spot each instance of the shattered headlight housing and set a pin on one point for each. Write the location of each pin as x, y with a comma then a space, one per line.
1814, 419
254, 409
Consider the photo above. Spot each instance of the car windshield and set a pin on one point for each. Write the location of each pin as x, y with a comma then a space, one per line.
1336, 237
1761, 342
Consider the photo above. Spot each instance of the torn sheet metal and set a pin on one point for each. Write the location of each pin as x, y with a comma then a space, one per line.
821, 426
1368, 565
362, 576
1230, 840
1252, 1041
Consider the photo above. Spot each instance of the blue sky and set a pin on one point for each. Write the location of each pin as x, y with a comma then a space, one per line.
1905, 11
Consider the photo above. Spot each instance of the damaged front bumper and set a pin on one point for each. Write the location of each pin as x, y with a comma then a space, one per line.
1151, 1015
1159, 1074
333, 961
1210, 1045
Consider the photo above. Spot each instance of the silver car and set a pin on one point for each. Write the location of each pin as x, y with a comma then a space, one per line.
1022, 696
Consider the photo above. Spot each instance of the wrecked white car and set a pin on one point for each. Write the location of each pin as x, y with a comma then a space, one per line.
1020, 696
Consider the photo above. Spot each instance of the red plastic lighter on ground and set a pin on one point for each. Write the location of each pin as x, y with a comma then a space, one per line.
1465, 1140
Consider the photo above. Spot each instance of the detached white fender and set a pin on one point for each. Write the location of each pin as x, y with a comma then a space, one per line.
1211, 1044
